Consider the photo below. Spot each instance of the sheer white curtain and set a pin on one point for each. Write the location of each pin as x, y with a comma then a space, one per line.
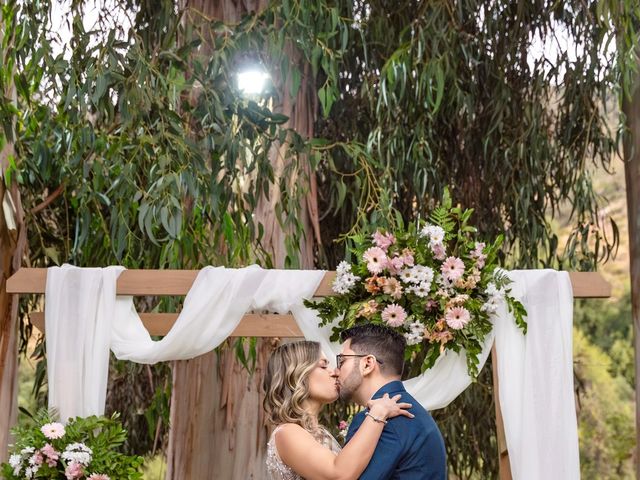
84, 319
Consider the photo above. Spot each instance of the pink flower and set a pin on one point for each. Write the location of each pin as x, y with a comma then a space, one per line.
73, 471
394, 315
478, 256
394, 265
383, 240
36, 458
439, 252
477, 251
49, 451
407, 257
53, 430
376, 259
452, 269
392, 287
431, 304
98, 476
457, 317
51, 454
341, 426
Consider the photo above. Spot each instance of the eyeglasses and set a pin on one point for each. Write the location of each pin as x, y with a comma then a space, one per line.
340, 358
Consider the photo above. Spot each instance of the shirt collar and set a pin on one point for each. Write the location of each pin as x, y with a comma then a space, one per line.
394, 386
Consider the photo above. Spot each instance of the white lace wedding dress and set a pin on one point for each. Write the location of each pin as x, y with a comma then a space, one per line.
278, 470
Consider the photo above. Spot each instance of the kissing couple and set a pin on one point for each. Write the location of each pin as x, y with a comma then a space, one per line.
393, 437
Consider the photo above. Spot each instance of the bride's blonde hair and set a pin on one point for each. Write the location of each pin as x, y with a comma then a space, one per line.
286, 383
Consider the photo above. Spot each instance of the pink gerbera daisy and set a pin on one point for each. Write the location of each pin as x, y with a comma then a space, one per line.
53, 430
376, 259
452, 268
457, 317
394, 315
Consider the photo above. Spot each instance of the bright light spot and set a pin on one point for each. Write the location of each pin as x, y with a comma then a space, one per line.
252, 82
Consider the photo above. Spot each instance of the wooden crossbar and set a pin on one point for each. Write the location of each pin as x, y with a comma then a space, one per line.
251, 325
136, 282
178, 282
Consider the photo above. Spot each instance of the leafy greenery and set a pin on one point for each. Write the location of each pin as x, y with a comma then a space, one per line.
605, 414
103, 436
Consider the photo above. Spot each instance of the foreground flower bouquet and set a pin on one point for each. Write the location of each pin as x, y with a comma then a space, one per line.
434, 282
83, 449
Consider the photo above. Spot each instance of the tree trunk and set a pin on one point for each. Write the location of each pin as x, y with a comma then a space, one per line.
631, 108
12, 244
217, 421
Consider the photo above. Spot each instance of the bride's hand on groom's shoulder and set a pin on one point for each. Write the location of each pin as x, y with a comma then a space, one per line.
388, 407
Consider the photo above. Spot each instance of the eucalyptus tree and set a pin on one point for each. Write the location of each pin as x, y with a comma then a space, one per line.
630, 97
12, 229
137, 148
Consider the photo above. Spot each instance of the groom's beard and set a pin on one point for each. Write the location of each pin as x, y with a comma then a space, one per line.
350, 385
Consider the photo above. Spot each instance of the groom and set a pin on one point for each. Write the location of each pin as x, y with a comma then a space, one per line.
369, 366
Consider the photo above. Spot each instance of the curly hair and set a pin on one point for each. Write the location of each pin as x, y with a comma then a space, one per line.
286, 383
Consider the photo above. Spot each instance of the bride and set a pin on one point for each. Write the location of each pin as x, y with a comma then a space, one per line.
298, 383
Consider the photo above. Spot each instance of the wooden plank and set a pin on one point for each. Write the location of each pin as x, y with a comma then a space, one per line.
504, 467
178, 282
589, 285
251, 325
135, 282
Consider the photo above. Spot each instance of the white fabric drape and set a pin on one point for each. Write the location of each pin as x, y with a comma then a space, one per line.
79, 308
84, 319
535, 374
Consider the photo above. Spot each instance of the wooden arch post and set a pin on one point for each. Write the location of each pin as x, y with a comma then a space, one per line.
179, 282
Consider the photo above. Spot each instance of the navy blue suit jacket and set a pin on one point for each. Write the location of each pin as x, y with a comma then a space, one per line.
409, 448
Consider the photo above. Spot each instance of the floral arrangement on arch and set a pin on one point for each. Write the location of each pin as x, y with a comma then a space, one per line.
434, 282
83, 449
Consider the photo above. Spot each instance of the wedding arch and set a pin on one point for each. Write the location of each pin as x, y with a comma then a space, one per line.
546, 293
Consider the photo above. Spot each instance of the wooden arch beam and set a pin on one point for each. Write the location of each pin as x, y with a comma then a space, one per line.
179, 282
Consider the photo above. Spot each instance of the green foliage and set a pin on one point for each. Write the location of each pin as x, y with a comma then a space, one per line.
607, 324
605, 414
103, 436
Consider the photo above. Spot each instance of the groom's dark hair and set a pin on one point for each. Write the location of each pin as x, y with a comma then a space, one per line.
384, 343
